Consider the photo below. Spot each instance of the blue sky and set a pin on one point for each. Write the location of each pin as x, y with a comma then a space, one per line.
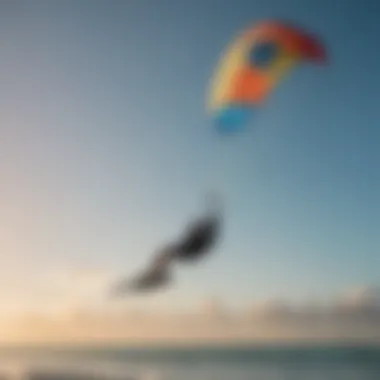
107, 149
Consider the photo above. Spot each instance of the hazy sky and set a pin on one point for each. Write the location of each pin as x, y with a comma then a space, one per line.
106, 149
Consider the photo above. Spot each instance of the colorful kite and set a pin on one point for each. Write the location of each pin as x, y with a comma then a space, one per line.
253, 65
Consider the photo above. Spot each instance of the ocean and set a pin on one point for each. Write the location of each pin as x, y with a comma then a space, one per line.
248, 363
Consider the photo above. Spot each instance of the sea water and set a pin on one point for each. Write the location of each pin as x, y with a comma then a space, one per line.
248, 363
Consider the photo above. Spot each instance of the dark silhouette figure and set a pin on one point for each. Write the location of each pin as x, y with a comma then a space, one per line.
156, 276
199, 238
202, 234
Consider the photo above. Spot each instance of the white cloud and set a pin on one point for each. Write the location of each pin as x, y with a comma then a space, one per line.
58, 293
362, 298
77, 313
213, 308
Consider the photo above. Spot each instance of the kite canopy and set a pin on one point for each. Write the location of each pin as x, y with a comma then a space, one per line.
253, 65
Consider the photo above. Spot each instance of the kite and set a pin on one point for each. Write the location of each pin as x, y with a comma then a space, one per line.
252, 66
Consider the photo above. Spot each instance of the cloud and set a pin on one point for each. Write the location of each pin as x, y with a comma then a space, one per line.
363, 298
58, 293
353, 315
214, 309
